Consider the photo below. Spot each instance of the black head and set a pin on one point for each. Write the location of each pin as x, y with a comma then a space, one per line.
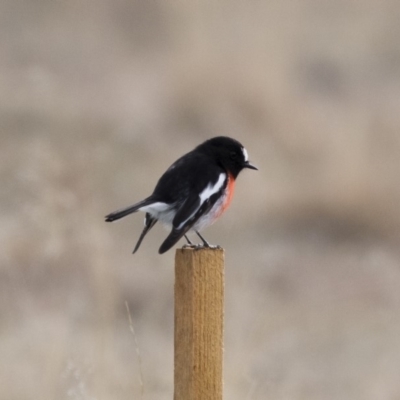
228, 153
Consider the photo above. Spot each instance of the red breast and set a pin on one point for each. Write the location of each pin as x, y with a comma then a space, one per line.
230, 188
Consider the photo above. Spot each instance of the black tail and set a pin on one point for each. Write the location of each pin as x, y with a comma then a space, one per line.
149, 222
128, 210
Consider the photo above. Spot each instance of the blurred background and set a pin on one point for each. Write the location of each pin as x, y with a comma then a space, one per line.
98, 98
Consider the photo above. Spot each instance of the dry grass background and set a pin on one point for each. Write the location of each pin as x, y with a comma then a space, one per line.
97, 98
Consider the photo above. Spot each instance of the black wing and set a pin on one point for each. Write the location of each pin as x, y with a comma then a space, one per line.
183, 221
186, 217
189, 174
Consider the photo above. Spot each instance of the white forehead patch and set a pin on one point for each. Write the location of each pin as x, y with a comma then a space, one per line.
245, 155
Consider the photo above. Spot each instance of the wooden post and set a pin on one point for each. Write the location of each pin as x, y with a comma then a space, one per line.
199, 312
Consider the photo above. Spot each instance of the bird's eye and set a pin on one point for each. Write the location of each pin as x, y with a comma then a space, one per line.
233, 155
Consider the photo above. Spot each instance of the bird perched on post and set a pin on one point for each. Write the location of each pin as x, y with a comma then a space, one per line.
193, 192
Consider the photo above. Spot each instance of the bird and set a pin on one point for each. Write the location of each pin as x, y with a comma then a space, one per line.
193, 192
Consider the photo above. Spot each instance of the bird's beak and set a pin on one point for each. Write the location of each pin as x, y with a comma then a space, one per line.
250, 166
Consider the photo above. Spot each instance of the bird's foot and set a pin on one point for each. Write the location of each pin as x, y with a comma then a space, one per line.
207, 246
200, 246
204, 245
189, 246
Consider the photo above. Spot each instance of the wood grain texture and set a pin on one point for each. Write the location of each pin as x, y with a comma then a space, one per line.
199, 313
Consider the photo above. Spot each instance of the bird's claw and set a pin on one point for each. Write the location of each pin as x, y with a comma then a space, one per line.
189, 246
210, 246
201, 246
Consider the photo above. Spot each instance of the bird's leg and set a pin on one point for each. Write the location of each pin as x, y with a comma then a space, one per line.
205, 243
188, 240
189, 243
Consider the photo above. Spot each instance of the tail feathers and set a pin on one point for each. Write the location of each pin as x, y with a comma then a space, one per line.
128, 210
149, 222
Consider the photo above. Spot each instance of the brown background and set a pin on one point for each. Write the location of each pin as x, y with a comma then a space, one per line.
98, 98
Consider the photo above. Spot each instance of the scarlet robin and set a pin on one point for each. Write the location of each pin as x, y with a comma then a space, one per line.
193, 192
